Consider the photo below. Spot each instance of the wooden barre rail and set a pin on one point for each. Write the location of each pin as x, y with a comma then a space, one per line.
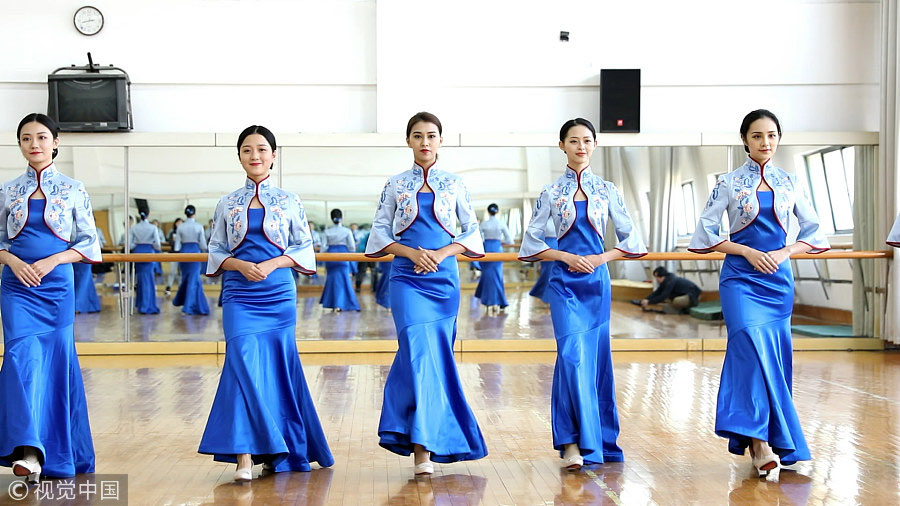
489, 257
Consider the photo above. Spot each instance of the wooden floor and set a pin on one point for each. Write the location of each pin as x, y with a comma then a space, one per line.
147, 415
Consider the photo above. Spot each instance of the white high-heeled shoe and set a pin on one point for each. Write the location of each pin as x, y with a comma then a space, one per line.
424, 469
573, 463
245, 474
27, 468
766, 461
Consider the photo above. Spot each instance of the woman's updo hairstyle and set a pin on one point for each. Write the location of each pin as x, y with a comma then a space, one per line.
43, 119
427, 117
753, 116
261, 130
190, 210
336, 216
564, 131
493, 209
143, 215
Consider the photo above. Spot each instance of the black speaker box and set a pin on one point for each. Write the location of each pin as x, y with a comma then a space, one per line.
142, 206
620, 100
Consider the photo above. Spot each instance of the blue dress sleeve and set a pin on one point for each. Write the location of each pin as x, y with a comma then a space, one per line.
533, 238
470, 237
86, 241
382, 233
300, 243
810, 231
706, 235
629, 241
218, 242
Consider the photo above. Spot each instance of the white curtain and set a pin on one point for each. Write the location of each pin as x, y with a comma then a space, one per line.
885, 194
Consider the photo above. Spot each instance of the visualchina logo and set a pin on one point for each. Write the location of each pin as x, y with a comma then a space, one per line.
109, 489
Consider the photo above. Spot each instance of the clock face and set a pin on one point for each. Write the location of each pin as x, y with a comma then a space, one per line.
88, 20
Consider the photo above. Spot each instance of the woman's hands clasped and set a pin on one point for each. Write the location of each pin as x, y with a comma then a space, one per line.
257, 272
585, 264
766, 262
426, 260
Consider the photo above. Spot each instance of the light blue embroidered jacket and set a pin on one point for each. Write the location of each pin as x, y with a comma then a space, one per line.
190, 231
557, 202
337, 235
144, 232
893, 239
67, 212
284, 225
398, 209
735, 193
493, 228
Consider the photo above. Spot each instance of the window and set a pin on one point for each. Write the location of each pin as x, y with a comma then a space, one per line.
830, 174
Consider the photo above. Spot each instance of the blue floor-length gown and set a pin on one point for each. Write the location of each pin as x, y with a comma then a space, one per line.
383, 285
755, 398
583, 402
490, 287
338, 292
86, 299
145, 296
263, 406
423, 398
41, 390
190, 295
539, 289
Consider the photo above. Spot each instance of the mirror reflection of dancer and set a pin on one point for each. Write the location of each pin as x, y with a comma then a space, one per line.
490, 289
338, 294
263, 412
755, 405
424, 410
190, 238
145, 239
46, 224
584, 417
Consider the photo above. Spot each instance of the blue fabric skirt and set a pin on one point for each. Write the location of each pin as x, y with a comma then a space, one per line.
540, 285
190, 293
86, 299
263, 405
383, 285
145, 296
42, 401
338, 292
755, 397
583, 400
423, 398
490, 287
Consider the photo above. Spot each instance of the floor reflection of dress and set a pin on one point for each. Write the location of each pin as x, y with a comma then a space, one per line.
310, 489
792, 488
454, 489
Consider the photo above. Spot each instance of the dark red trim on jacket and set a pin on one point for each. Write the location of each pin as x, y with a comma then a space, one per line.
528, 258
811, 252
704, 251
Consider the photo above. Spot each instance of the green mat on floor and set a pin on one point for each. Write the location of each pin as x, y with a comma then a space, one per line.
823, 330
707, 310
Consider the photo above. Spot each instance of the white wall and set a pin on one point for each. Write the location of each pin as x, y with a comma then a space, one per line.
498, 66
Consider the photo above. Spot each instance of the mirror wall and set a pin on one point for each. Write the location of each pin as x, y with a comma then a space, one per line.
665, 188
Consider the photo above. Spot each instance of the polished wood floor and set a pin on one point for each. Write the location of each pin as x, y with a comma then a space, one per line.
147, 415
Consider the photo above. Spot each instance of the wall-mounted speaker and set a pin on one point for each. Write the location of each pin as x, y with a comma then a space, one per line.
142, 207
620, 100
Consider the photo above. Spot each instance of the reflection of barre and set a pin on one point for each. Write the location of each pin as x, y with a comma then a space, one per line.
488, 257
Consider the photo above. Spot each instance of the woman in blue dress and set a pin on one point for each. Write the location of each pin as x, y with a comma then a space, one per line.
585, 421
755, 405
46, 224
190, 238
338, 294
145, 239
263, 412
383, 285
539, 289
490, 287
86, 298
424, 410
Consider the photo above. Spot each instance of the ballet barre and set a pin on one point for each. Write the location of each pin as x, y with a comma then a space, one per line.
491, 257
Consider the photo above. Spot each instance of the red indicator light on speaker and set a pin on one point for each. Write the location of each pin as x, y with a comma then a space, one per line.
620, 122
